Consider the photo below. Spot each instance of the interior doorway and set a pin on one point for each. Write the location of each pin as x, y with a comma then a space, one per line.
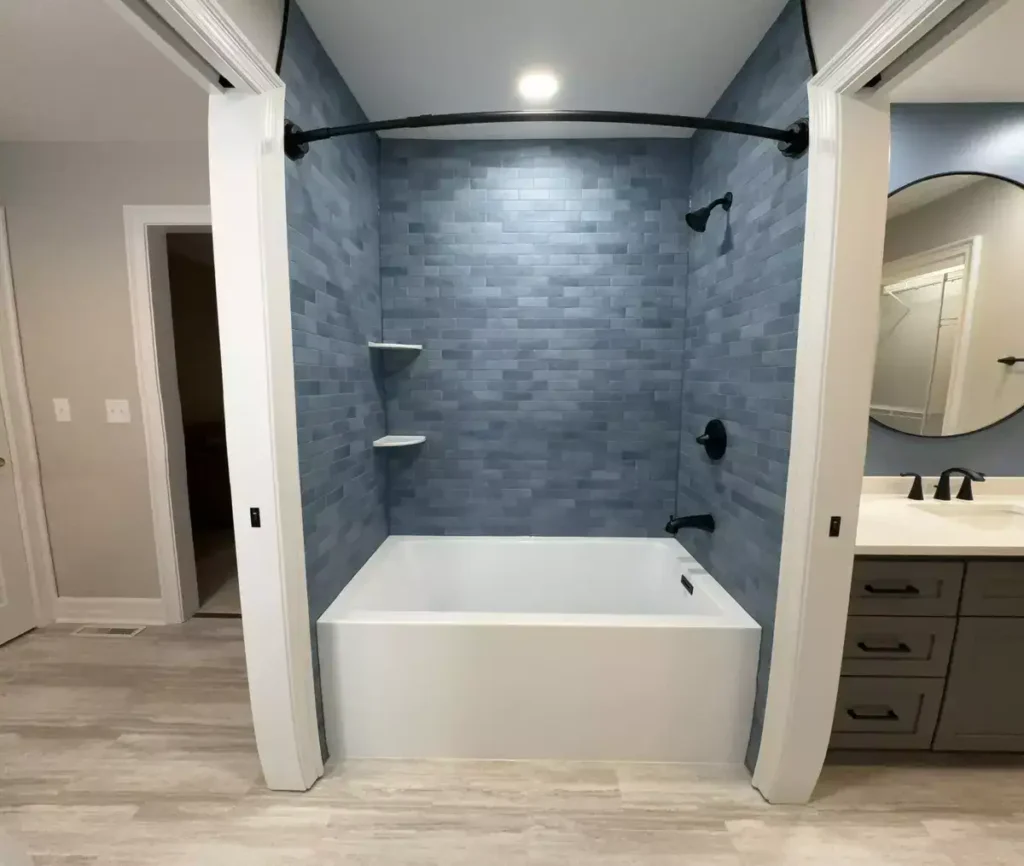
176, 325
193, 301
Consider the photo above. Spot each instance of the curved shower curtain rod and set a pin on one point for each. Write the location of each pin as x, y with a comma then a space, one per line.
793, 141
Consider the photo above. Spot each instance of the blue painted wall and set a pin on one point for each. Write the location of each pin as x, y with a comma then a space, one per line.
927, 140
546, 280
741, 318
333, 246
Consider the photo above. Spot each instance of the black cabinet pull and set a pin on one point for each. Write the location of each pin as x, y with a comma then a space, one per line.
899, 648
1009, 360
896, 590
889, 715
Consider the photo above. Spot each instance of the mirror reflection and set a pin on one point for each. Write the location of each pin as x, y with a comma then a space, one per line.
950, 356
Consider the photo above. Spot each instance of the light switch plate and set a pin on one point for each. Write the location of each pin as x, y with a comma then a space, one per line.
62, 409
118, 412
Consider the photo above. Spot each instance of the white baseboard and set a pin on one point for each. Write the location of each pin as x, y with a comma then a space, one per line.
111, 611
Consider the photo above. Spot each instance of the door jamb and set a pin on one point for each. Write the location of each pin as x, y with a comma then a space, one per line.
848, 185
17, 417
171, 526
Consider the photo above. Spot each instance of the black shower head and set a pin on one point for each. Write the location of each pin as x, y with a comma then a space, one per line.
698, 219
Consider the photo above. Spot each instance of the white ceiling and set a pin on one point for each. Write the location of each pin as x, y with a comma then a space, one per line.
927, 191
984, 65
402, 57
74, 70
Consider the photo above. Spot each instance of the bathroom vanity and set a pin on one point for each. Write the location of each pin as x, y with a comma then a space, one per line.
934, 650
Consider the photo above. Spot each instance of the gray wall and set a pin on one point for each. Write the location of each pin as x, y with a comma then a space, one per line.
333, 246
546, 280
934, 139
836, 22
260, 21
65, 212
741, 317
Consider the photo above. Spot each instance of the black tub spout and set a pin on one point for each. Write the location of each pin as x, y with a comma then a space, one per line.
693, 521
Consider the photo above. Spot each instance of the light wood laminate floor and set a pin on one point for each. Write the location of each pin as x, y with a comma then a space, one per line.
141, 752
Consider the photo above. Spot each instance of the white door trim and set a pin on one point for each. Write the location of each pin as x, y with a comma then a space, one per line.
250, 246
848, 180
250, 241
24, 456
169, 528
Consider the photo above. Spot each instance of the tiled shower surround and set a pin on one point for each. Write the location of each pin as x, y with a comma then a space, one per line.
577, 334
547, 282
334, 248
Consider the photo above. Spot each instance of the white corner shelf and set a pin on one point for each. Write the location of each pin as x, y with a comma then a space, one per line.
401, 347
398, 441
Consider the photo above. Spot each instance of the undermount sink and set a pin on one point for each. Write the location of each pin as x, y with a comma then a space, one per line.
979, 515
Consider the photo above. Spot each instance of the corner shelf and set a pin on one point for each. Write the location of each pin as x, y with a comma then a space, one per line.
398, 441
400, 347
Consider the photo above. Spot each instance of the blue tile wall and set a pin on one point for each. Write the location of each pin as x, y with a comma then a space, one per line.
334, 247
546, 280
934, 139
741, 319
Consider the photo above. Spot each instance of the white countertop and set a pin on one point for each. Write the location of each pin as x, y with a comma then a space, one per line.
892, 525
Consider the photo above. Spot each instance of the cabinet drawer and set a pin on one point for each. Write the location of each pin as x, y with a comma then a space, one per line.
994, 588
886, 713
898, 646
905, 587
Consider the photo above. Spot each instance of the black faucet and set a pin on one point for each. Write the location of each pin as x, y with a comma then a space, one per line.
966, 491
916, 492
693, 521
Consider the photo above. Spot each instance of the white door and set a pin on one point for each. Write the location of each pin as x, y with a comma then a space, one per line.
16, 608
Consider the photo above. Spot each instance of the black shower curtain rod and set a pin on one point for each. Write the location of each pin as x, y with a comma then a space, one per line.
793, 140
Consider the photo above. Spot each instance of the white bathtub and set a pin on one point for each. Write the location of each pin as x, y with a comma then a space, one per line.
563, 648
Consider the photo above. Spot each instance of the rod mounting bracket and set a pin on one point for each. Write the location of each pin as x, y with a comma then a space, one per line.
293, 148
800, 141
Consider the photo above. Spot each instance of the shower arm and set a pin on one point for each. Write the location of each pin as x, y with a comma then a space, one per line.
793, 141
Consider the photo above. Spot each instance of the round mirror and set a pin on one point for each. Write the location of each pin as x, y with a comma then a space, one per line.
950, 356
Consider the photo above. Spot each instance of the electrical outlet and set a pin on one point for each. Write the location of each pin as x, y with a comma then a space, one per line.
118, 412
62, 409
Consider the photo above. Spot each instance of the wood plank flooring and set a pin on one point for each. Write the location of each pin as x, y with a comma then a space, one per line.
141, 752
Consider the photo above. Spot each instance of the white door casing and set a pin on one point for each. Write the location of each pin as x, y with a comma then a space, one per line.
146, 229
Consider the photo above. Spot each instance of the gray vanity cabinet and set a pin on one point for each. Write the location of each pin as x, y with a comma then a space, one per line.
983, 709
934, 656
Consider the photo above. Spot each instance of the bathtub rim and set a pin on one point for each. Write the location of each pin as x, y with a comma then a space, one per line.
731, 613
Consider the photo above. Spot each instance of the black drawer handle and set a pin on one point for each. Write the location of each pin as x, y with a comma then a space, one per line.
889, 715
896, 590
899, 648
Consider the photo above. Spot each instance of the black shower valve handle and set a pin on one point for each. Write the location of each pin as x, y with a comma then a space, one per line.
714, 439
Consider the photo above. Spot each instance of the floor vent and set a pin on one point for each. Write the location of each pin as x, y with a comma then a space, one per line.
108, 630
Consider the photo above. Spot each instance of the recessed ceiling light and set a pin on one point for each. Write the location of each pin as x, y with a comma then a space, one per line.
538, 86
